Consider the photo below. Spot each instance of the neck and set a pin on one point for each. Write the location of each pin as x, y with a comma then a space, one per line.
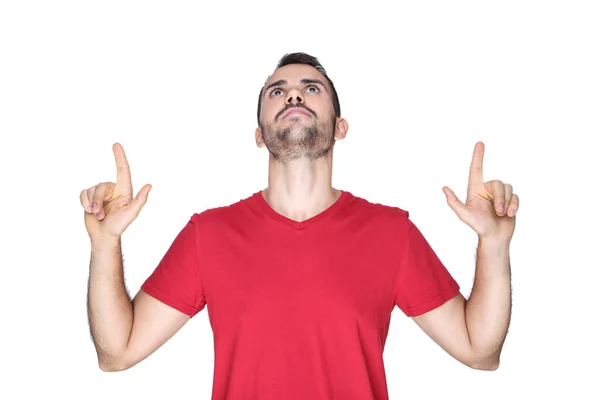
301, 189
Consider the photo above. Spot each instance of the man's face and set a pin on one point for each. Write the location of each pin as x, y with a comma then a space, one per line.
297, 117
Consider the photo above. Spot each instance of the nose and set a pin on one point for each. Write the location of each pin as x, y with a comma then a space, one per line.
294, 96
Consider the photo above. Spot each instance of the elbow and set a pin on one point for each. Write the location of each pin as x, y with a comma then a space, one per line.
489, 363
109, 368
105, 367
486, 365
112, 365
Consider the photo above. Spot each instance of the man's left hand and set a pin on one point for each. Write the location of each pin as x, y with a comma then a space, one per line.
490, 207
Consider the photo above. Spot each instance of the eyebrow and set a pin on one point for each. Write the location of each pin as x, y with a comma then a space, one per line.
283, 82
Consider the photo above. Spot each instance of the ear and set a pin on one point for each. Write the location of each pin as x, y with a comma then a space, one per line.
258, 137
341, 127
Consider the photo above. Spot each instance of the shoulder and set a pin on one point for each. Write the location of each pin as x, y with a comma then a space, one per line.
377, 217
222, 214
378, 210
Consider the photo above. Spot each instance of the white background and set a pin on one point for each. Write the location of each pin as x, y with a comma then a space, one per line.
176, 83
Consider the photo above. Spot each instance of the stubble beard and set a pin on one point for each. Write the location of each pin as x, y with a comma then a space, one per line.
297, 141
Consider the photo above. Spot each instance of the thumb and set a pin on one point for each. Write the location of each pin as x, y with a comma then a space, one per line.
455, 204
138, 201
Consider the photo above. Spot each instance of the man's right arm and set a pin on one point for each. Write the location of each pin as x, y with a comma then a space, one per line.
124, 331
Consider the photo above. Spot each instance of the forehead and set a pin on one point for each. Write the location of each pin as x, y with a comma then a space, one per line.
294, 73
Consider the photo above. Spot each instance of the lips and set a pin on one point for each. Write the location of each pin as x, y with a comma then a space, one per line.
295, 110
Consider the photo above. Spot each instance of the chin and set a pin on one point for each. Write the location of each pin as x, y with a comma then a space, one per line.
296, 131
297, 122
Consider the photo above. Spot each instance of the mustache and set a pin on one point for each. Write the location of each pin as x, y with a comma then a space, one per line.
299, 105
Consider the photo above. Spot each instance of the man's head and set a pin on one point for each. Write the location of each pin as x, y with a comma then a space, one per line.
298, 110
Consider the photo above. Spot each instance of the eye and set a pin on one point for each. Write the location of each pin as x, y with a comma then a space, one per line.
317, 90
274, 91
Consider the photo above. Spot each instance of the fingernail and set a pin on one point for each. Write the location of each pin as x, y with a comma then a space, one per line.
501, 207
511, 212
99, 215
95, 207
88, 209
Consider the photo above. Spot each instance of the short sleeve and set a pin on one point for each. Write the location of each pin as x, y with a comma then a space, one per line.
423, 281
177, 281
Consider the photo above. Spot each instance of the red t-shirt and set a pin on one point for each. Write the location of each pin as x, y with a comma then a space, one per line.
300, 310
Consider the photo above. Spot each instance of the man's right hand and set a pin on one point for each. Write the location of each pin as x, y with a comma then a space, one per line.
110, 207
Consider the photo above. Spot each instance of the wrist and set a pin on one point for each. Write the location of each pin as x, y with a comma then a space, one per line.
100, 242
494, 242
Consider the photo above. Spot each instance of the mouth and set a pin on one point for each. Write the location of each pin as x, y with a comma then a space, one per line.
295, 111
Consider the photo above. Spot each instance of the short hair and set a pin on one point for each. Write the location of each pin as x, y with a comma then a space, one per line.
303, 58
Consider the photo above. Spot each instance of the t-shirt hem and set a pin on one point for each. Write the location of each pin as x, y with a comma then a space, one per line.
437, 301
168, 300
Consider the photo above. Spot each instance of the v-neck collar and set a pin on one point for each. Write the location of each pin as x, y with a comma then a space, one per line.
259, 200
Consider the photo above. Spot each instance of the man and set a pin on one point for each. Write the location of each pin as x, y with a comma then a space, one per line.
300, 279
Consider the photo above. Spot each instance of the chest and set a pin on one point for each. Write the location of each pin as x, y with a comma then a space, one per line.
294, 280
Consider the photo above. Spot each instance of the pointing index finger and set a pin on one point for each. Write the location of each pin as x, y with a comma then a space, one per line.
123, 171
476, 170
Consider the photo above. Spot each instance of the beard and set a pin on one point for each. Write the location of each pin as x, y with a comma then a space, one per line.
299, 139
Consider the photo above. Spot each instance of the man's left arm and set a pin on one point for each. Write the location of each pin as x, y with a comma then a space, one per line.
473, 331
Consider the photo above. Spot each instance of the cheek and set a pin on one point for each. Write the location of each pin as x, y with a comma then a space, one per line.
321, 106
271, 108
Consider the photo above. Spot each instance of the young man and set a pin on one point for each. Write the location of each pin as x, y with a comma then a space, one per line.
300, 279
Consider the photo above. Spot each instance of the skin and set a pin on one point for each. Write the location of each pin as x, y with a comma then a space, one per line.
473, 331
300, 171
299, 186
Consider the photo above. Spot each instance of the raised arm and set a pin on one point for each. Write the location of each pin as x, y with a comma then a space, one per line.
474, 331
124, 331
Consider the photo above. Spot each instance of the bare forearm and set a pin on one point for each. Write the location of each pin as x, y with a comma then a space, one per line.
110, 310
488, 309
